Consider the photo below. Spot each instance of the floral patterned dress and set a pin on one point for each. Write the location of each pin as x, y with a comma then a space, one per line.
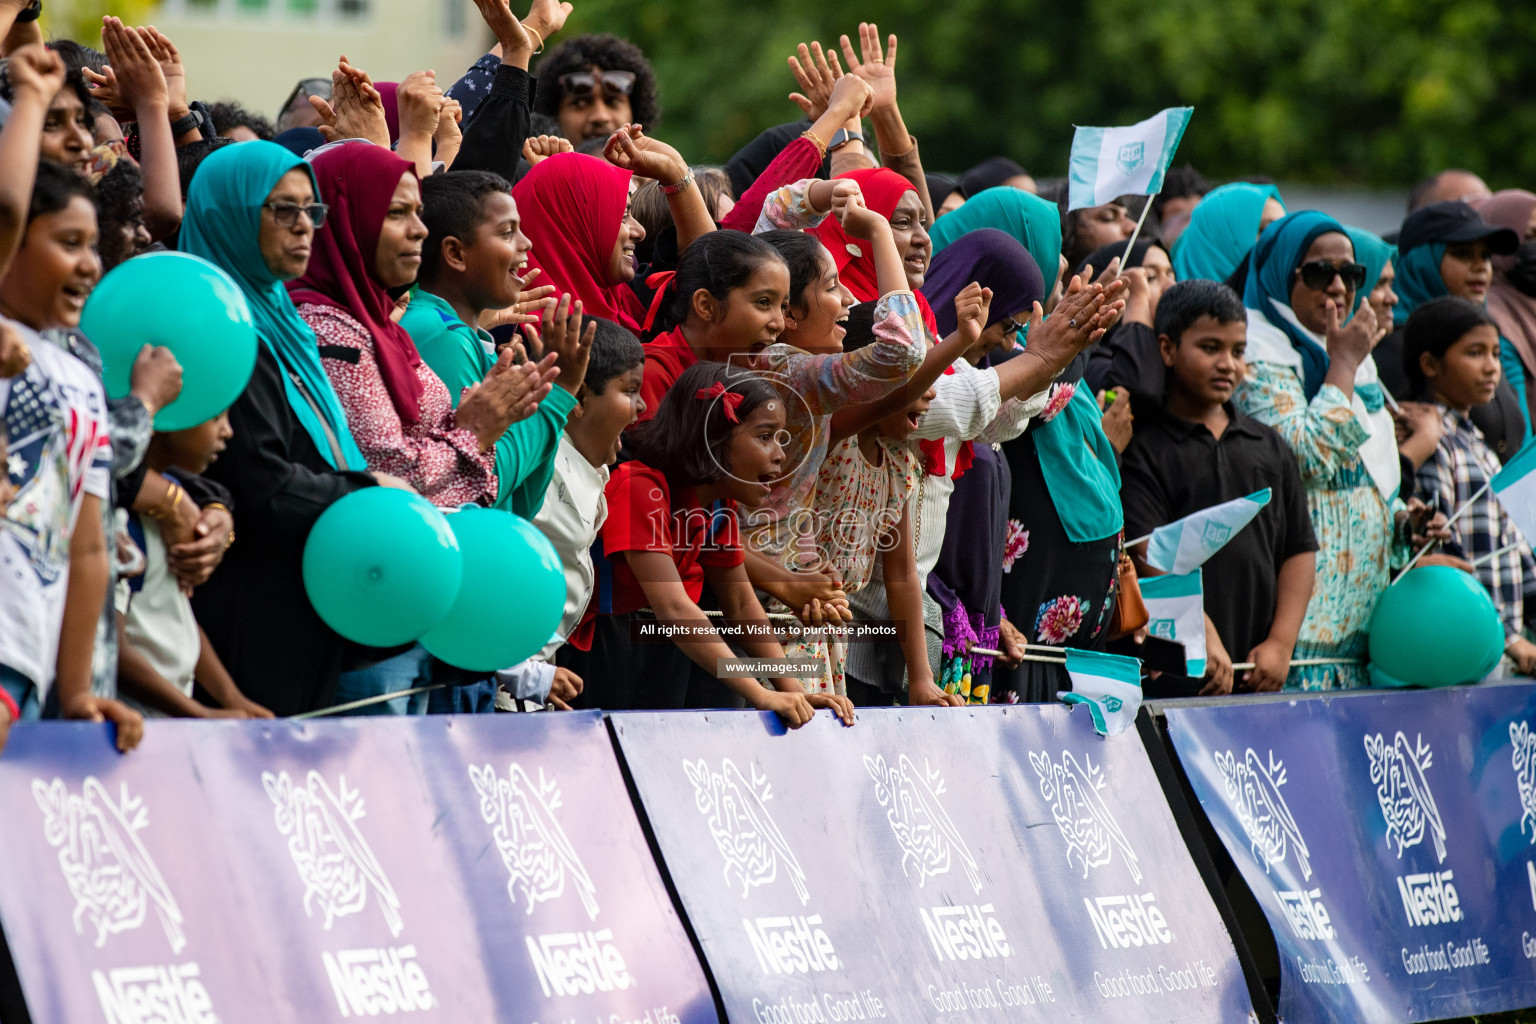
858, 507
1055, 591
1352, 521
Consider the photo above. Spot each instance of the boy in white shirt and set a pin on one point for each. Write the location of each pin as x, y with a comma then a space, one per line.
163, 650
574, 507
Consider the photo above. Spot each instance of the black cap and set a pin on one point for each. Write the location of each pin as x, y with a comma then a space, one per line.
1454, 221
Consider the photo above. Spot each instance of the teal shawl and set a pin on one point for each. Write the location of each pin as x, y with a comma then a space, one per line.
1418, 279
1222, 230
223, 224
1374, 254
1035, 222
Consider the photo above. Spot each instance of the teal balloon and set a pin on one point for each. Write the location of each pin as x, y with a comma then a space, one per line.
511, 598
1436, 626
381, 566
190, 306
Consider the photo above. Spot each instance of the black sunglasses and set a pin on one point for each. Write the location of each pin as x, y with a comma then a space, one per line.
581, 84
307, 87
1319, 274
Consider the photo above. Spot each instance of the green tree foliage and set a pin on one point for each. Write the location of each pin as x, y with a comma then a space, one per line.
1367, 91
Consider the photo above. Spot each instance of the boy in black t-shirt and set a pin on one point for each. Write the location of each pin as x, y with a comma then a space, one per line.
1195, 449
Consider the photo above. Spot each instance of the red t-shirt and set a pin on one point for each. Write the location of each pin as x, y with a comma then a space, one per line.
666, 357
642, 516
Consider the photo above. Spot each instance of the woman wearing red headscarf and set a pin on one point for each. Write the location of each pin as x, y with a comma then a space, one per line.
575, 210
368, 242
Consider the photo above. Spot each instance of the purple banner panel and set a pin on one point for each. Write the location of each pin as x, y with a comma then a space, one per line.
967, 865
439, 869
1388, 837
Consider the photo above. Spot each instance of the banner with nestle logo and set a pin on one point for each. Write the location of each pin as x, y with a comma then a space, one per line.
443, 869
1390, 839
988, 864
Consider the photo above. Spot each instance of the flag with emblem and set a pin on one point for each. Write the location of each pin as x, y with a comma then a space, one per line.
1186, 544
1128, 161
1109, 684
1176, 611
1515, 486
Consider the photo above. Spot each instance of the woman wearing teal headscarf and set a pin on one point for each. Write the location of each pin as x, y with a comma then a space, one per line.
1060, 578
1445, 250
1313, 380
1035, 222
1223, 228
251, 210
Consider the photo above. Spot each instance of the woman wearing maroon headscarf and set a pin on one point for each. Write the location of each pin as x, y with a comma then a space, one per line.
397, 408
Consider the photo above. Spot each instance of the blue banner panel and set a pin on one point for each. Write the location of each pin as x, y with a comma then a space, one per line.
988, 864
1388, 839
439, 869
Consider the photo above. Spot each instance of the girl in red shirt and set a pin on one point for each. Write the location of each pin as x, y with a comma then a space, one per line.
716, 442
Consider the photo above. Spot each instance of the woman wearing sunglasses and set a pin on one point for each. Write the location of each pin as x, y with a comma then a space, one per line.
253, 209
1310, 376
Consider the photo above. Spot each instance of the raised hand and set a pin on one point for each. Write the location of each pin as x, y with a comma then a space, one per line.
355, 110
509, 32
1079, 320
851, 97
631, 149
1353, 341
36, 71
448, 134
421, 104
816, 71
171, 66
857, 219
509, 393
877, 68
546, 17
570, 345
538, 148
137, 76
972, 307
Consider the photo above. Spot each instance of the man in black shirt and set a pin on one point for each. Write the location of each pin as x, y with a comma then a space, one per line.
1195, 450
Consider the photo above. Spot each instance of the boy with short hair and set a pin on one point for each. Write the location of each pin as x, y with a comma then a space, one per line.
1196, 449
164, 651
574, 508
469, 263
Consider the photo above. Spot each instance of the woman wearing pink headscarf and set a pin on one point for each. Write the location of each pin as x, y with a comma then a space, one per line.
1512, 298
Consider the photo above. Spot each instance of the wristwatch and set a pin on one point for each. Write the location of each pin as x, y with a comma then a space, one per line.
842, 138
31, 12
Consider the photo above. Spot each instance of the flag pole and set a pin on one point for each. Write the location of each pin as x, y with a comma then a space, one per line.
1454, 516
1145, 207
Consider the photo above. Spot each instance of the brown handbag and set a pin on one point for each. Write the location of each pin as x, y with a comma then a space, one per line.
1130, 610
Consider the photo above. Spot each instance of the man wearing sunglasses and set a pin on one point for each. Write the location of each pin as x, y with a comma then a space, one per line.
297, 111
592, 84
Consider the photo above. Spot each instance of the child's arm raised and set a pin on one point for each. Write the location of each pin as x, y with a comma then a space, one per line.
668, 598
972, 307
904, 597
739, 603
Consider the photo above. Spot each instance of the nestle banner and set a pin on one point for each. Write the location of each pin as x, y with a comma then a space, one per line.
995, 864
437, 869
1388, 839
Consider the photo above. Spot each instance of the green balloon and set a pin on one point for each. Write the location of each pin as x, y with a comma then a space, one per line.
512, 596
1436, 626
190, 306
381, 566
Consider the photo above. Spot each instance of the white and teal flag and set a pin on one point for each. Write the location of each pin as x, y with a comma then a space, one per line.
1186, 544
1129, 161
1515, 485
1176, 611
1109, 684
